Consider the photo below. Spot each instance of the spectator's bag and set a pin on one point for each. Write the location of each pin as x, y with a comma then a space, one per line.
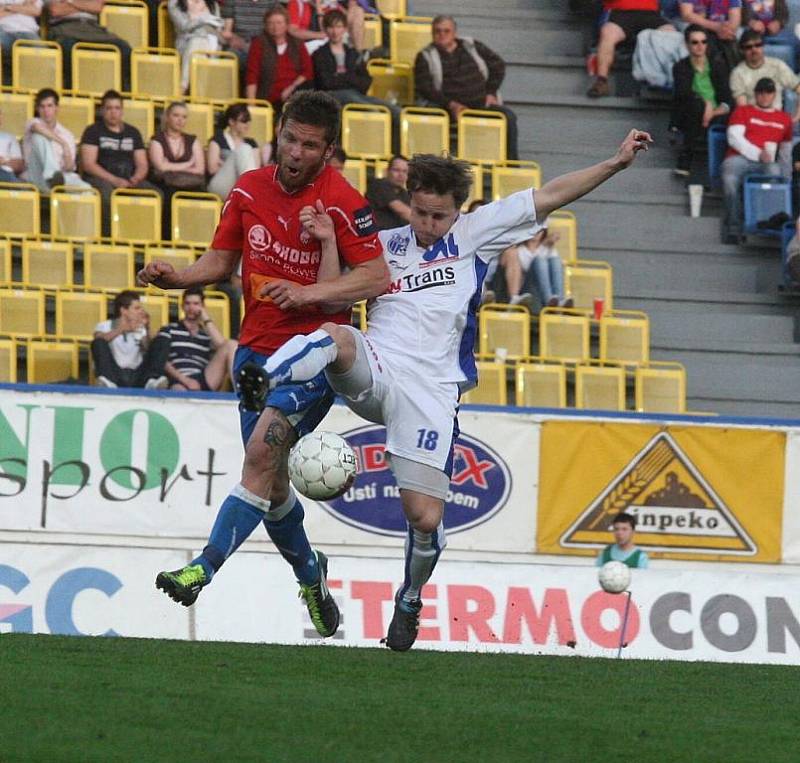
183, 181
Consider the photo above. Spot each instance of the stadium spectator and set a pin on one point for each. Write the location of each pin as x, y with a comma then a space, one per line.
49, 148
721, 19
457, 73
388, 196
623, 549
621, 22
757, 66
760, 141
176, 157
231, 152
243, 20
112, 154
17, 22
74, 21
200, 358
198, 27
701, 96
277, 63
123, 354
769, 18
11, 161
540, 255
307, 20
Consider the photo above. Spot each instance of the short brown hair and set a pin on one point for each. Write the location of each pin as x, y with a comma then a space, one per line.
440, 175
315, 108
333, 17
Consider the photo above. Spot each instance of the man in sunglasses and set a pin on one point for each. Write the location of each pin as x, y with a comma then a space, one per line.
757, 66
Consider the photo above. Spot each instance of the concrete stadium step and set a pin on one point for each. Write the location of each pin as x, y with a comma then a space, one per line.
655, 302
706, 328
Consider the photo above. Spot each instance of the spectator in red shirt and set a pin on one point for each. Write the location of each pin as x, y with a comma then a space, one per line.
624, 19
760, 140
277, 64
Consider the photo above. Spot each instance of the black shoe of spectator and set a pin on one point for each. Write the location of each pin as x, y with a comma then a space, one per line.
683, 166
599, 89
775, 222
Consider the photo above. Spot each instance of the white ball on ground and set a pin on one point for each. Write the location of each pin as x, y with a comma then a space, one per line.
322, 466
614, 577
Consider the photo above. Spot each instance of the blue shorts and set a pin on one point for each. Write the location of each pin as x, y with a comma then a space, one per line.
304, 405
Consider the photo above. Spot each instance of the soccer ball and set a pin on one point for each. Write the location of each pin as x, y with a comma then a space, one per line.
322, 466
614, 577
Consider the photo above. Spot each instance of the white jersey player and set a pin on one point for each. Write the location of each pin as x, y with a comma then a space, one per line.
416, 357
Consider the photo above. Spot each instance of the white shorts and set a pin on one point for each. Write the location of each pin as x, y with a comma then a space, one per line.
419, 416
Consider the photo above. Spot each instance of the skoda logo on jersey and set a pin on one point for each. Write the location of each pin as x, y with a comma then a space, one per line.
259, 238
441, 248
479, 488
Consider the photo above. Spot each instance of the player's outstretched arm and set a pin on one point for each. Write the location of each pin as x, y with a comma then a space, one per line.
567, 188
213, 266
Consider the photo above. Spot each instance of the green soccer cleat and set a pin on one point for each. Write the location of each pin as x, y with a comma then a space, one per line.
321, 607
404, 626
183, 585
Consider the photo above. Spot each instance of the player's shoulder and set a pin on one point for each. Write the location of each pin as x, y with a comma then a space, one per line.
334, 186
255, 184
396, 240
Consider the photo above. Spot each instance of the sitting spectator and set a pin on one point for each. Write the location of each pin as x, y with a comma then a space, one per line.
191, 365
755, 67
337, 159
176, 157
122, 352
760, 141
49, 147
11, 162
231, 152
548, 269
721, 19
623, 22
457, 73
305, 23
388, 196
112, 154
17, 22
198, 27
277, 64
242, 20
769, 18
701, 96
74, 21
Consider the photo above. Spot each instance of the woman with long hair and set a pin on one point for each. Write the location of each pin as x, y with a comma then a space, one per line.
197, 26
231, 151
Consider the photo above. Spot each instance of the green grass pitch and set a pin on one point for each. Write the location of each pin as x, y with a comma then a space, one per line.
98, 699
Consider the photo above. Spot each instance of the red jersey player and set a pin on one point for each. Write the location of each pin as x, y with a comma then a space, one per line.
274, 219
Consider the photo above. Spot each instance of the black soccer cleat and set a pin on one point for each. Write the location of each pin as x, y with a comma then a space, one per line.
183, 585
322, 608
253, 384
404, 626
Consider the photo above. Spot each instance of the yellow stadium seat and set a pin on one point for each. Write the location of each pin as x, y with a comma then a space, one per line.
128, 19
476, 190
5, 261
367, 131
195, 217
513, 176
393, 9
77, 314
392, 81
135, 215
17, 110
541, 384
359, 317
200, 121
96, 68
600, 387
108, 266
8, 361
22, 312
219, 310
563, 335
409, 35
492, 386
482, 136
178, 257
424, 131
74, 212
141, 113
166, 32
660, 388
76, 113
505, 328
19, 209
587, 280
36, 64
355, 170
155, 73
51, 361
156, 304
214, 75
46, 263
262, 120
373, 31
566, 224
625, 337
379, 167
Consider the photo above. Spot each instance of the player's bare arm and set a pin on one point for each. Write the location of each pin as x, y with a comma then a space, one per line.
213, 266
567, 188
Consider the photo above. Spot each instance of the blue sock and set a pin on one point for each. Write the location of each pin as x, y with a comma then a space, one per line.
288, 535
236, 520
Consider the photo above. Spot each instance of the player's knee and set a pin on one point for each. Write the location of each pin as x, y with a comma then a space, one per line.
425, 523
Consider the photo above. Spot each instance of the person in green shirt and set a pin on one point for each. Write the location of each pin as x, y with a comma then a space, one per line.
623, 549
702, 96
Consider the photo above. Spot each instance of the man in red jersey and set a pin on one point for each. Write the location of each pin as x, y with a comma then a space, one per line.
278, 220
622, 20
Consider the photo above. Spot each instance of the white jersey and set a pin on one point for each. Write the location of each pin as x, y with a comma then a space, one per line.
427, 319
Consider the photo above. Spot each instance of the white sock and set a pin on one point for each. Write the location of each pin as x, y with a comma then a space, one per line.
301, 358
